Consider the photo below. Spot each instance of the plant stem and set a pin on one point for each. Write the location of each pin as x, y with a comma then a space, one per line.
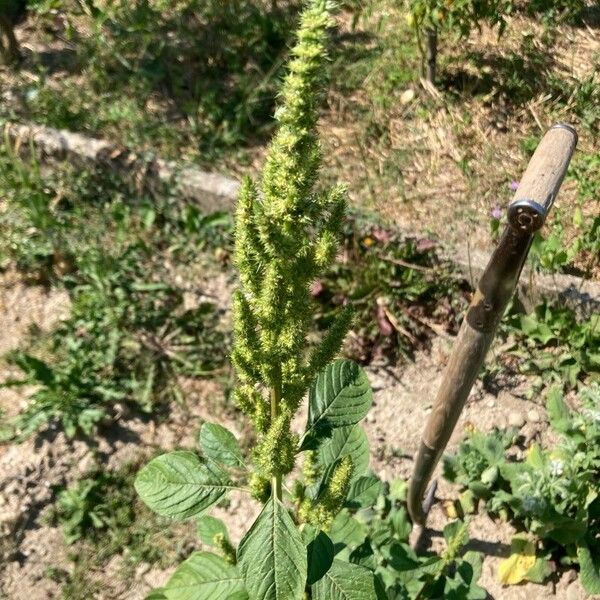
431, 34
275, 400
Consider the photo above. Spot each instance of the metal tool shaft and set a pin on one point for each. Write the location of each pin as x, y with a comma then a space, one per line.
526, 214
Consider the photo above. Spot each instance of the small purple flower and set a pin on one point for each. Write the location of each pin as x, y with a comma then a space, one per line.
496, 213
514, 185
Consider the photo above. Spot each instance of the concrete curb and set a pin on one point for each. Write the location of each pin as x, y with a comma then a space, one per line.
210, 190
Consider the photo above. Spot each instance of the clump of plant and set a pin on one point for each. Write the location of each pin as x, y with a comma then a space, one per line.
476, 465
398, 289
101, 517
574, 247
127, 339
287, 234
553, 494
567, 346
134, 326
376, 537
56, 219
215, 62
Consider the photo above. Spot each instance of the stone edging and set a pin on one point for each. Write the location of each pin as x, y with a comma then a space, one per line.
210, 190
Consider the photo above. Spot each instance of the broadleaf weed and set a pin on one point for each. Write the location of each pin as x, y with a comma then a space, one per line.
287, 234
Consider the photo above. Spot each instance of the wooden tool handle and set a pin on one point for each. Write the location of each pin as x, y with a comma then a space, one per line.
526, 214
542, 179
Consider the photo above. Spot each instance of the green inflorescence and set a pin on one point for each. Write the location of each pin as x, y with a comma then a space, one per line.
226, 548
328, 504
311, 468
287, 234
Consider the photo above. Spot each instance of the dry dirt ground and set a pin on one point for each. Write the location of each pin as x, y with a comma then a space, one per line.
403, 395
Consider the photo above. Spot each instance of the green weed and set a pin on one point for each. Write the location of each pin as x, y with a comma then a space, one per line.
287, 235
555, 345
101, 518
103, 510
399, 290
377, 538
211, 66
127, 339
553, 494
130, 335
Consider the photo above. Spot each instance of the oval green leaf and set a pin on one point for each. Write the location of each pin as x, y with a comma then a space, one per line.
340, 396
589, 564
220, 445
364, 491
272, 556
347, 441
208, 527
320, 557
205, 575
180, 485
345, 581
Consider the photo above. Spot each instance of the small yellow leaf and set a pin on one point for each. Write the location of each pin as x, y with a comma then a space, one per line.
368, 242
514, 569
450, 509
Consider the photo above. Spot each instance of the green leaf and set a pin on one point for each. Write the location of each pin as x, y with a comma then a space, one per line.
346, 530
205, 575
180, 485
345, 581
590, 569
468, 502
476, 561
220, 445
364, 491
558, 411
340, 396
456, 533
347, 441
401, 523
208, 527
272, 556
398, 490
540, 571
535, 457
364, 556
37, 370
320, 556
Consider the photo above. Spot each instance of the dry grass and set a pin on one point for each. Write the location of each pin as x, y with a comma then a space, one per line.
457, 149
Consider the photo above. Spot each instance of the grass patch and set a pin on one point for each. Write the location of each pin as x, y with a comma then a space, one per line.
136, 325
102, 517
194, 75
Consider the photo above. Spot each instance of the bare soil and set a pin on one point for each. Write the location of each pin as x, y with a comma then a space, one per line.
30, 472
